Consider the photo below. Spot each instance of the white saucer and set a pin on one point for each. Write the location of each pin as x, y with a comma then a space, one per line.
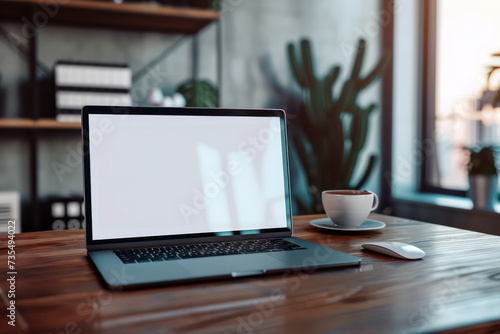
367, 225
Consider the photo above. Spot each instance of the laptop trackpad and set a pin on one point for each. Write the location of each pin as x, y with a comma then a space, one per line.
228, 265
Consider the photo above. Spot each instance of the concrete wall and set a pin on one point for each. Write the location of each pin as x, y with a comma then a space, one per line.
255, 32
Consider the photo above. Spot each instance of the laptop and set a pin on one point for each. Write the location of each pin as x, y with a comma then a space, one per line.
177, 195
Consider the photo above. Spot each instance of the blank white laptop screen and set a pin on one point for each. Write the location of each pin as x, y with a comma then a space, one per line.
158, 175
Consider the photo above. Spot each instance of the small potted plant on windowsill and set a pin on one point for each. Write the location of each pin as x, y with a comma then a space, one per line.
483, 177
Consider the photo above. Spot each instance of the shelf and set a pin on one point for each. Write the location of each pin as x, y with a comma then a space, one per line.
42, 123
129, 16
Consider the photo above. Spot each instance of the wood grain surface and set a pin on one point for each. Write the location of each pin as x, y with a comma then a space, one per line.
455, 288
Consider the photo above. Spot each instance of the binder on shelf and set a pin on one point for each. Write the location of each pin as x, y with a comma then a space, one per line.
78, 84
10, 204
97, 76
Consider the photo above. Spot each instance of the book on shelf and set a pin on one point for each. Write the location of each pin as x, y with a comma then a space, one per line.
79, 84
10, 213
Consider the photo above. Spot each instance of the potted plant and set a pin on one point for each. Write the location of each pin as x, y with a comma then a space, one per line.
483, 177
335, 125
199, 93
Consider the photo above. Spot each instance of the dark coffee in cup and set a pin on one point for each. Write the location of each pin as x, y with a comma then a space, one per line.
347, 192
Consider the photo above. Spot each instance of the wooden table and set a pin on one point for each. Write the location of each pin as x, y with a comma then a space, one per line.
456, 287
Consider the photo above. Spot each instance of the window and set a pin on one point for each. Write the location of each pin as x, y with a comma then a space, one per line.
461, 76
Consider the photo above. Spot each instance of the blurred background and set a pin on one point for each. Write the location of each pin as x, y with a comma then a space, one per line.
393, 96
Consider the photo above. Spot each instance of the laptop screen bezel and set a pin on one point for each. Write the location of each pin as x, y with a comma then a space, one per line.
184, 238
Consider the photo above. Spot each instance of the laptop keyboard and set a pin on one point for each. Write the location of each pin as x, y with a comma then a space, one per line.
158, 254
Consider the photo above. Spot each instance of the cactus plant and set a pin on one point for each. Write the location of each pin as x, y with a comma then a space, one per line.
336, 127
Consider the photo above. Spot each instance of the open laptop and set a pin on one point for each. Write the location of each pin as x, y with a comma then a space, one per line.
185, 194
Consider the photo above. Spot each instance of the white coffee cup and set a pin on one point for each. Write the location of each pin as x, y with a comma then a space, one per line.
348, 208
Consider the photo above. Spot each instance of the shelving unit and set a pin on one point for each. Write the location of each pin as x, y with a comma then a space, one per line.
130, 16
41, 123
91, 14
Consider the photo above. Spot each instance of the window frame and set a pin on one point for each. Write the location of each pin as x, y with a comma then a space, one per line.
428, 46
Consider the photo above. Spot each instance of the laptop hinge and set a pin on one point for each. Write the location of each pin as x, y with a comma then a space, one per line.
153, 243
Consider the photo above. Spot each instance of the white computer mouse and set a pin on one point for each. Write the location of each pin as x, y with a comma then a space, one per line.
396, 249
